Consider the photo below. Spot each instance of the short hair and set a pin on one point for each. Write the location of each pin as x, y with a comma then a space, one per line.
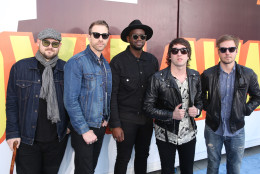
227, 37
98, 22
180, 41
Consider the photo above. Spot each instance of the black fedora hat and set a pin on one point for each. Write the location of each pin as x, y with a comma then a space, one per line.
136, 24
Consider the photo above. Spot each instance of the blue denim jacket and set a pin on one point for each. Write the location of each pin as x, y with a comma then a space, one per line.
83, 92
22, 100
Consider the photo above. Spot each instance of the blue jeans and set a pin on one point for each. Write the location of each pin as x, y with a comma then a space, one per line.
234, 151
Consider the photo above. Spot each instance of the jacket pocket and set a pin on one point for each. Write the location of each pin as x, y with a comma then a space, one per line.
23, 89
89, 81
129, 83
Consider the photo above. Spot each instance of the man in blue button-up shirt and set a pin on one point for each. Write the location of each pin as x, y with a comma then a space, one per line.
224, 92
87, 93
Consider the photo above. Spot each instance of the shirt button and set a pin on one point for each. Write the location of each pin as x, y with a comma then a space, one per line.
36, 96
39, 80
127, 80
138, 113
142, 86
35, 111
141, 72
33, 127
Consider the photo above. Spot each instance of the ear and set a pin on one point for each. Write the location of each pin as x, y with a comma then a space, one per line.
38, 42
60, 45
127, 38
89, 37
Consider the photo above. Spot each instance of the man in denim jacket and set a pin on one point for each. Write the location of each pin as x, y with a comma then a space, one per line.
36, 117
87, 93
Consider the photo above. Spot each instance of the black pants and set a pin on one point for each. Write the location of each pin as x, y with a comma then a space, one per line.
140, 136
40, 158
167, 153
86, 155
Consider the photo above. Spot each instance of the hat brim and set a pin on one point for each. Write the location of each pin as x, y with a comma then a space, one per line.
148, 31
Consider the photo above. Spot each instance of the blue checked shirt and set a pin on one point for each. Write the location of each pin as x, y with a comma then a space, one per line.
226, 83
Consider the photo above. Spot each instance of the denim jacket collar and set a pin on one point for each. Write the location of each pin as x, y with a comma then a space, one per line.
93, 55
33, 64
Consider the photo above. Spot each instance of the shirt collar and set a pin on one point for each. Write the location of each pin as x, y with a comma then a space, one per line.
142, 57
233, 69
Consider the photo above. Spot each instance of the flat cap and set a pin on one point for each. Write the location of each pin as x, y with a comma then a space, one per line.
49, 33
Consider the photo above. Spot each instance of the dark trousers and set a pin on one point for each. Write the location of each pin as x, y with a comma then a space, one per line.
86, 155
140, 136
167, 153
41, 157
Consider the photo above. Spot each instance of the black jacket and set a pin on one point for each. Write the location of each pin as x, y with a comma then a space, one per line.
245, 82
163, 96
129, 82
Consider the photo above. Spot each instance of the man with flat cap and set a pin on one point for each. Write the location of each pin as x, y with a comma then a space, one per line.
36, 117
131, 70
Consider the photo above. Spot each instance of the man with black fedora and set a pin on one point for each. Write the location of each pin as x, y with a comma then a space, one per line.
131, 70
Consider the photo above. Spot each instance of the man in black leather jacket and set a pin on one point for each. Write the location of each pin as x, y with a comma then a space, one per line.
224, 92
173, 99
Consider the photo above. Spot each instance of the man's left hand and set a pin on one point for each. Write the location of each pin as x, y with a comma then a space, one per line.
193, 111
104, 124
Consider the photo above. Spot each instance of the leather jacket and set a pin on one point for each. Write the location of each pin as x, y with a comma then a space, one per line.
245, 82
163, 96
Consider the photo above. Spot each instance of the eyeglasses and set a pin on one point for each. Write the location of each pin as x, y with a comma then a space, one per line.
142, 36
175, 51
230, 49
54, 44
97, 35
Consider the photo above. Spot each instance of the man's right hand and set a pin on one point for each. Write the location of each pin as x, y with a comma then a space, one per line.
178, 113
118, 134
11, 141
89, 137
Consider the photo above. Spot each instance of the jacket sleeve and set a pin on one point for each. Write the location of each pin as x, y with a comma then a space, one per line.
114, 116
12, 107
254, 93
72, 86
198, 103
204, 89
151, 100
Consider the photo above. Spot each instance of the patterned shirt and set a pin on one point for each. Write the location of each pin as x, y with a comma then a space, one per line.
186, 132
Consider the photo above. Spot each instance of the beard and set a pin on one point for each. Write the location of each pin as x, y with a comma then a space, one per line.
48, 56
137, 48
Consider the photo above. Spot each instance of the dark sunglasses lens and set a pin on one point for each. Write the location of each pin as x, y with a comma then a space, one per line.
143, 37
45, 43
55, 44
96, 35
175, 51
231, 49
184, 51
135, 36
105, 36
223, 50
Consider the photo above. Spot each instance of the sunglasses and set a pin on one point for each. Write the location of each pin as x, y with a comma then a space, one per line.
97, 35
142, 36
175, 51
230, 49
54, 44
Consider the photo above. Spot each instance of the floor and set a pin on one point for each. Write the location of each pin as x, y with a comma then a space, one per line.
202, 164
